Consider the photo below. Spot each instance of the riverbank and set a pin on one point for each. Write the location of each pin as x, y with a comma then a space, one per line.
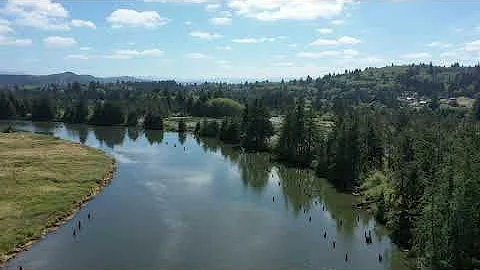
44, 182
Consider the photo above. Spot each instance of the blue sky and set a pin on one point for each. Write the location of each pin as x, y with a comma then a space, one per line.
208, 39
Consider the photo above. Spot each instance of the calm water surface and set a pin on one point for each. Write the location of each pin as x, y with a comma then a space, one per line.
180, 203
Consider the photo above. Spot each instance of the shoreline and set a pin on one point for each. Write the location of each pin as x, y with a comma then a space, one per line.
63, 219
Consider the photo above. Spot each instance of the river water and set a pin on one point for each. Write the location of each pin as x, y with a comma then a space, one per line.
177, 202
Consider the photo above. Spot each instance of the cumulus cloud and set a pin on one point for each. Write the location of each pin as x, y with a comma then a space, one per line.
212, 7
345, 54
132, 18
5, 26
205, 35
325, 31
76, 57
224, 48
82, 23
196, 56
181, 1
221, 21
254, 40
337, 22
284, 64
473, 46
439, 44
129, 54
345, 40
273, 10
42, 14
419, 55
6, 41
59, 42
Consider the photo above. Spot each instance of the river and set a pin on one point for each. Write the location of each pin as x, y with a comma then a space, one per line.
177, 202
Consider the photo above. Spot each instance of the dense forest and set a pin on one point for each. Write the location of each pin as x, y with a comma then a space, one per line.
406, 137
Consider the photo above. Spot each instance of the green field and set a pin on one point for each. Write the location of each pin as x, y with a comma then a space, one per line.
43, 180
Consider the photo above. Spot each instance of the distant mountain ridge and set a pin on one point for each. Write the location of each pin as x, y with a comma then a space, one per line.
60, 78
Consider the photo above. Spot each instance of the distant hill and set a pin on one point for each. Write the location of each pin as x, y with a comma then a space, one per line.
61, 78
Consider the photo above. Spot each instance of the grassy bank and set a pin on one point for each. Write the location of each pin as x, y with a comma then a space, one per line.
43, 181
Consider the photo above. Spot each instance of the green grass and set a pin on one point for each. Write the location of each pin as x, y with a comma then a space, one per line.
42, 180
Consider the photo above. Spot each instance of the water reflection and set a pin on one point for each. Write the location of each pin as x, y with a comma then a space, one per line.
154, 136
182, 137
302, 191
211, 193
78, 131
45, 127
133, 133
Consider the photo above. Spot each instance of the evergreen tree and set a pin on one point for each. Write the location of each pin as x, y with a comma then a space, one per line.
258, 128
43, 109
7, 108
153, 121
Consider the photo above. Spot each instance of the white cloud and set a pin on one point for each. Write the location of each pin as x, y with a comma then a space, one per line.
293, 45
284, 64
86, 48
350, 52
420, 55
205, 35
59, 42
224, 48
42, 14
76, 57
449, 54
334, 42
254, 40
188, 23
273, 10
473, 46
345, 54
225, 13
212, 7
5, 26
197, 56
129, 54
316, 55
439, 44
6, 41
325, 31
82, 23
337, 22
221, 21
224, 64
181, 1
132, 18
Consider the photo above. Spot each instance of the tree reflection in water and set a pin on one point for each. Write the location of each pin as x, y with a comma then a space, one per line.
133, 133
154, 136
80, 131
111, 136
302, 189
